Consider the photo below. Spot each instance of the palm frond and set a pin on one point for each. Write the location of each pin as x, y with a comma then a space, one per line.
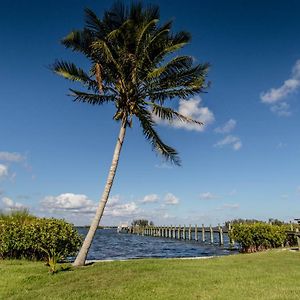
78, 41
147, 124
177, 64
94, 23
167, 113
71, 72
94, 99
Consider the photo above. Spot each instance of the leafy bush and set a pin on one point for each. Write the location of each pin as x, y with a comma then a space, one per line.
258, 236
35, 238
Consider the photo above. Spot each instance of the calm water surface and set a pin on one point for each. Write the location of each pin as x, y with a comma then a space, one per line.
108, 244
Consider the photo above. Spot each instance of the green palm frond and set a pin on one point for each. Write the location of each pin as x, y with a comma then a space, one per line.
78, 41
176, 65
93, 23
94, 99
167, 113
151, 135
71, 72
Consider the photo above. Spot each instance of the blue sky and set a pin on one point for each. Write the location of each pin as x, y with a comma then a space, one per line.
55, 154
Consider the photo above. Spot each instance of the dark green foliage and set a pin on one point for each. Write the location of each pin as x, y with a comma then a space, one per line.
242, 221
276, 222
141, 222
254, 237
36, 239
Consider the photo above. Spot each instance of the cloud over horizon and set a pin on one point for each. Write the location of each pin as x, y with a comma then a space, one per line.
10, 204
151, 198
81, 204
171, 199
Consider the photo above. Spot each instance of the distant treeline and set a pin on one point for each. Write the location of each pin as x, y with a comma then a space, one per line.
253, 221
142, 223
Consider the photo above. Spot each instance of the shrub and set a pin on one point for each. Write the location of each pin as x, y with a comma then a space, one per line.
258, 236
37, 238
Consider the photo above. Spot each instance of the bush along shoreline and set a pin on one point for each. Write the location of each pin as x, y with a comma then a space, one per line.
260, 236
24, 236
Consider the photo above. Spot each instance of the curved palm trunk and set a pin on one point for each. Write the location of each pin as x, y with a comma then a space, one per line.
81, 257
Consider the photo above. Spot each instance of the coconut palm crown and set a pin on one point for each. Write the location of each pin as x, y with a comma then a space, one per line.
133, 65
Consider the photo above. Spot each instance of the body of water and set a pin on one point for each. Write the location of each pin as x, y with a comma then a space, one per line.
108, 244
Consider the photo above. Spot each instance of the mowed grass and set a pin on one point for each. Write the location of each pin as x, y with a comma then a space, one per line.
268, 275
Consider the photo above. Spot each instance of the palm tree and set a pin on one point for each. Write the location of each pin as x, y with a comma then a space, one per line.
133, 66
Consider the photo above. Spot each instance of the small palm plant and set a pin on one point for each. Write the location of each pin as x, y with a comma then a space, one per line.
133, 66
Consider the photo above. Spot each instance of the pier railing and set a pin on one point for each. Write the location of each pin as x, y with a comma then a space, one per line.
196, 233
203, 234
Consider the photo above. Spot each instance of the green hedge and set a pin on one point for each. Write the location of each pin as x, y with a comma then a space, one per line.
37, 238
259, 236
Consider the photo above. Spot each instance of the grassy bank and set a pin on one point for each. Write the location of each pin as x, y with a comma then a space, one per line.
268, 275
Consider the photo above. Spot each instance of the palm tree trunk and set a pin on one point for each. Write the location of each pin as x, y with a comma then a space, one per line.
81, 257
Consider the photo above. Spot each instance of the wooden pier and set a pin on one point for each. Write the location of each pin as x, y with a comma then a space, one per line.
196, 233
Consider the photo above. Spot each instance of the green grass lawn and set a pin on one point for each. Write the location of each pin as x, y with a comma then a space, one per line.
268, 275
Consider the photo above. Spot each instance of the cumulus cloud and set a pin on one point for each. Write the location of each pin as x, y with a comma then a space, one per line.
81, 204
171, 199
151, 198
193, 109
275, 95
122, 210
69, 202
207, 196
230, 140
227, 127
11, 156
3, 171
10, 204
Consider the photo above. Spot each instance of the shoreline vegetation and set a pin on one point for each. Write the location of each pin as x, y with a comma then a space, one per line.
268, 275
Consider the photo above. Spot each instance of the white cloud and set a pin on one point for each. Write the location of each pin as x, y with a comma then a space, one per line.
171, 199
122, 210
191, 108
3, 171
11, 156
10, 204
151, 198
81, 204
230, 140
207, 196
227, 127
275, 95
69, 202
